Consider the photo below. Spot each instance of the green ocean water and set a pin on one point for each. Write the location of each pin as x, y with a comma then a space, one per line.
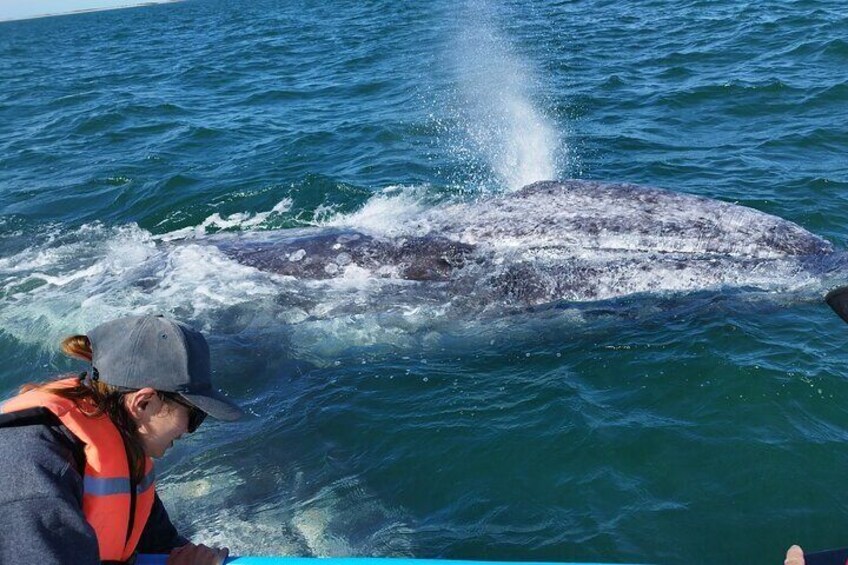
701, 429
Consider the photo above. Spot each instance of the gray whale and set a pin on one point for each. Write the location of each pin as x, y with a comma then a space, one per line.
558, 241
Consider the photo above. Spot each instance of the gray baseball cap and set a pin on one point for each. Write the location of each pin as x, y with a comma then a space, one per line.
141, 351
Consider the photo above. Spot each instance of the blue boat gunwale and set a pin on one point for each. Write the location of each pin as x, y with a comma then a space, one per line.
248, 560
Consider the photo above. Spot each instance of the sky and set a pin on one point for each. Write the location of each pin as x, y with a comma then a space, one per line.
23, 9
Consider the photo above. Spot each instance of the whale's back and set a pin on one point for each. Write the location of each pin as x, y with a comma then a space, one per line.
587, 216
557, 241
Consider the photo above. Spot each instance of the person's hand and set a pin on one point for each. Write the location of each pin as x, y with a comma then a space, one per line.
795, 556
191, 554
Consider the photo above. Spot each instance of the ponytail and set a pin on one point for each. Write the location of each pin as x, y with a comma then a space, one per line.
77, 346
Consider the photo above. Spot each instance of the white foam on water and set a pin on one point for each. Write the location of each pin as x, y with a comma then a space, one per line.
212, 279
216, 222
74, 281
501, 120
391, 212
51, 288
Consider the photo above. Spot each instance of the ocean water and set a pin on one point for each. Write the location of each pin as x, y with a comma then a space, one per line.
698, 429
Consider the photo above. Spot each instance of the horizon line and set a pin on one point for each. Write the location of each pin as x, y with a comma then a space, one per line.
107, 8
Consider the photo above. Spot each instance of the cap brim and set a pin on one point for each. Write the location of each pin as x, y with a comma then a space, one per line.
216, 405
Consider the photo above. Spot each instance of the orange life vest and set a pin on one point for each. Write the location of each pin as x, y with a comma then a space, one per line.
106, 500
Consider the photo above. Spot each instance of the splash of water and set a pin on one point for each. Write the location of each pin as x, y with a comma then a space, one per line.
514, 137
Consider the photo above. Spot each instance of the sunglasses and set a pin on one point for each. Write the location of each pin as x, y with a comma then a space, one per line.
195, 414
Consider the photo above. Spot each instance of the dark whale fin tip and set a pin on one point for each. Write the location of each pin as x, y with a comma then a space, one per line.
838, 300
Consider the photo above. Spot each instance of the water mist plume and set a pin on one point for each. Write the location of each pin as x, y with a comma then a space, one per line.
514, 137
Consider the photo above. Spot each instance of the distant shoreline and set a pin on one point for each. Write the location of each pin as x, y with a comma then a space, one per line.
88, 10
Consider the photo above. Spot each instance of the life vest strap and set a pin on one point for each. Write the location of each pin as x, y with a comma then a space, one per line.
104, 486
35, 416
41, 416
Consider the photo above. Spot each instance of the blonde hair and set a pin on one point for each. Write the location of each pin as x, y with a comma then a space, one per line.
95, 398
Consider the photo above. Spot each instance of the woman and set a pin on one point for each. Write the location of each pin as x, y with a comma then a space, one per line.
76, 466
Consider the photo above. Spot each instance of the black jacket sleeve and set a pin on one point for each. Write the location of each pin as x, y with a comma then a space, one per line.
159, 535
41, 499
